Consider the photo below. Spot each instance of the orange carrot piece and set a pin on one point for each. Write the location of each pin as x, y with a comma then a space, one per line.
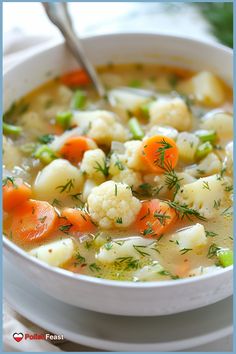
160, 153
75, 147
79, 219
34, 221
15, 192
75, 78
155, 218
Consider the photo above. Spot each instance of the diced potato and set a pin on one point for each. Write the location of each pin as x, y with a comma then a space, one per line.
187, 144
109, 252
55, 253
205, 87
210, 165
57, 180
191, 237
126, 100
222, 123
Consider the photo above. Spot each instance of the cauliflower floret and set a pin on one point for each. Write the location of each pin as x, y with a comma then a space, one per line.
222, 123
210, 165
149, 272
113, 205
172, 112
170, 132
60, 140
117, 248
229, 157
55, 253
117, 163
94, 164
203, 194
130, 177
58, 180
187, 144
102, 126
205, 87
191, 237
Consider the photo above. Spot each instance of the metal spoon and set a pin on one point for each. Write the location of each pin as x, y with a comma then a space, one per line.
59, 16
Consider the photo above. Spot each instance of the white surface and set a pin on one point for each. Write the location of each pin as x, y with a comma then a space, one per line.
123, 298
117, 333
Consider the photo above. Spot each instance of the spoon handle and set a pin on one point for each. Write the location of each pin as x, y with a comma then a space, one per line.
59, 15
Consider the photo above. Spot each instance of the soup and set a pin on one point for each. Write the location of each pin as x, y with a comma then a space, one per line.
136, 186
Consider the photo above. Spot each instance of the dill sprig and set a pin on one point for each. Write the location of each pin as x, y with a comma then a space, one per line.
183, 211
164, 146
103, 168
66, 187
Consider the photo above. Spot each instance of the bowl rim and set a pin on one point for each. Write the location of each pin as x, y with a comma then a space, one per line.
16, 250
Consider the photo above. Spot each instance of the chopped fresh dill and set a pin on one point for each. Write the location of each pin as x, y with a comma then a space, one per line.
139, 250
210, 234
216, 204
116, 191
94, 267
10, 180
185, 250
103, 168
56, 203
205, 185
80, 259
119, 220
161, 216
46, 139
65, 228
182, 210
212, 251
66, 187
127, 262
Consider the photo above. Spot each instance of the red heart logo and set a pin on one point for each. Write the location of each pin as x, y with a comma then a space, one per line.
18, 336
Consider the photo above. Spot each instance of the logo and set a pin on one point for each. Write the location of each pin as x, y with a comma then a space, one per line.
18, 336
37, 336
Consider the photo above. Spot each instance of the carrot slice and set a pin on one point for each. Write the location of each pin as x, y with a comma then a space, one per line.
154, 218
75, 147
33, 221
75, 78
160, 153
15, 192
79, 220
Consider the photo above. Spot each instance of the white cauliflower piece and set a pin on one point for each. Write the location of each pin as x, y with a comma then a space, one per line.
117, 163
229, 156
57, 180
205, 87
149, 272
112, 250
185, 178
208, 166
187, 144
93, 164
172, 112
113, 205
132, 155
191, 237
102, 126
129, 177
55, 253
222, 123
170, 132
203, 194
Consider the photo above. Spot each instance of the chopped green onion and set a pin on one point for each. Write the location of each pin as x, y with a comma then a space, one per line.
206, 135
79, 100
203, 150
45, 154
226, 258
145, 109
46, 138
28, 148
135, 83
11, 129
64, 119
135, 129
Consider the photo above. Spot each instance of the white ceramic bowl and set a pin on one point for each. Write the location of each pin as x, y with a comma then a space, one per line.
123, 298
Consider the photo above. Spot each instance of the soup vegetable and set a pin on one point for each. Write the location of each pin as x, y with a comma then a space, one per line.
137, 187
